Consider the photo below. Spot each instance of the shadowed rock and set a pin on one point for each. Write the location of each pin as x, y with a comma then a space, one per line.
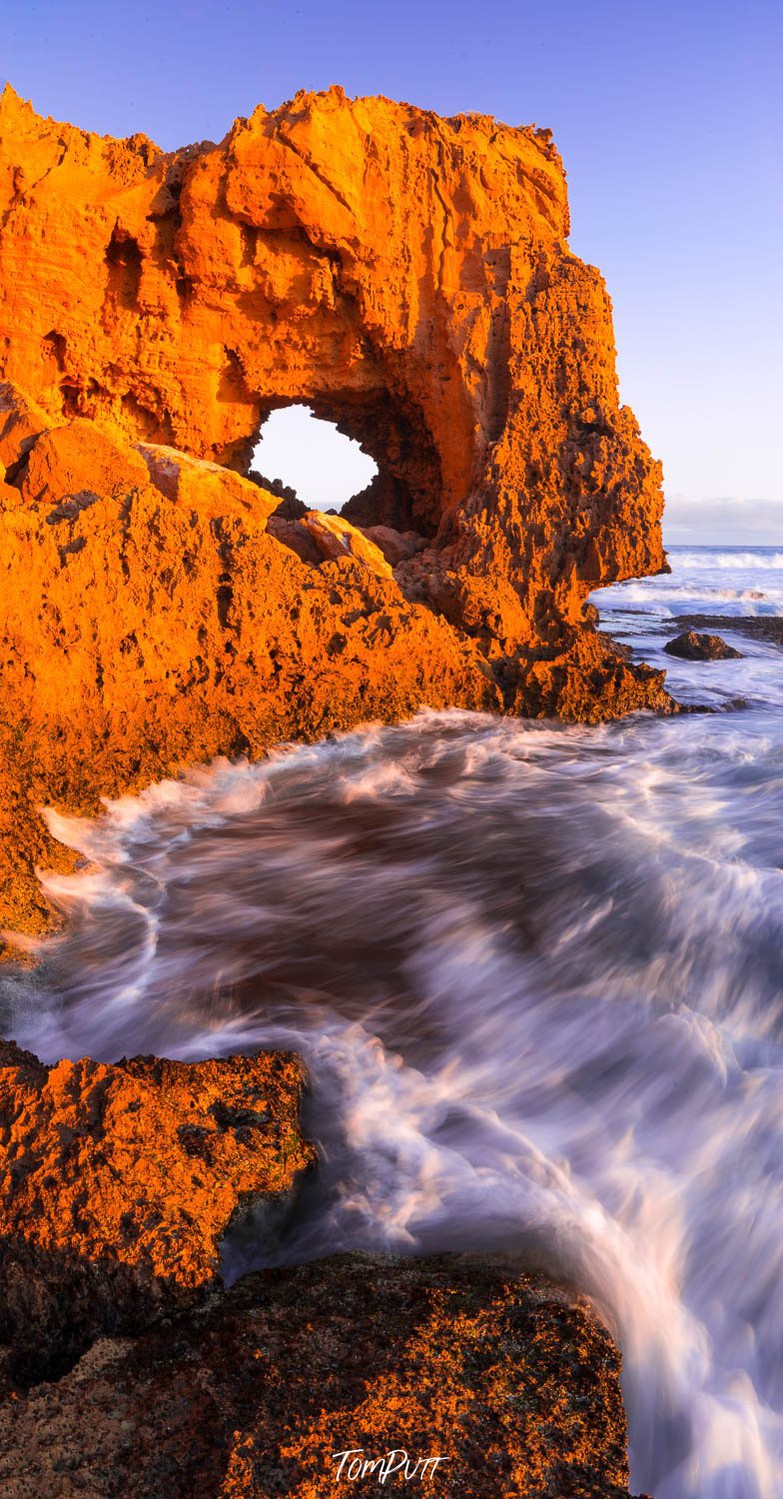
507, 1377
118, 1184
694, 646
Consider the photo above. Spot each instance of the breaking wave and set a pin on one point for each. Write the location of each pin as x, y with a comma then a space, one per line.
649, 593
537, 976
708, 557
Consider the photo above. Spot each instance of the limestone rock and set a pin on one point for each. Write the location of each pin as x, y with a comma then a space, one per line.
296, 536
397, 546
207, 486
507, 1377
119, 1182
20, 422
76, 464
410, 278
140, 629
407, 275
336, 538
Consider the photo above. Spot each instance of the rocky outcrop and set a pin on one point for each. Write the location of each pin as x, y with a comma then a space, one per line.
335, 537
406, 275
692, 645
155, 609
410, 278
126, 1368
766, 627
149, 617
508, 1379
119, 1183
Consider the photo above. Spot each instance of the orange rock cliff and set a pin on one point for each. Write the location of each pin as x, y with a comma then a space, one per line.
409, 278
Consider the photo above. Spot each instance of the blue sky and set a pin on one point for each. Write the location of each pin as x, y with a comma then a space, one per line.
669, 118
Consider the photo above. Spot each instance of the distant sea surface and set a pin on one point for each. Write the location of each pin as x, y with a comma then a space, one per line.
722, 587
537, 974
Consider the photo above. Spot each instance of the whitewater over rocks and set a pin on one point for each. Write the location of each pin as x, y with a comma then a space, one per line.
409, 278
535, 974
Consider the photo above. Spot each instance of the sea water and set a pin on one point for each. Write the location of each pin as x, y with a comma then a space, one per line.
536, 973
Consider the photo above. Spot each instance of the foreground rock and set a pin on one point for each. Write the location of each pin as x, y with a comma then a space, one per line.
507, 1378
119, 1183
693, 646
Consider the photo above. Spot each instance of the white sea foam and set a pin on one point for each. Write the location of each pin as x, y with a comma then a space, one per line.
732, 559
710, 581
537, 975
653, 590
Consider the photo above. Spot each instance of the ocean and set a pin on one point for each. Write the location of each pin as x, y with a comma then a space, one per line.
536, 972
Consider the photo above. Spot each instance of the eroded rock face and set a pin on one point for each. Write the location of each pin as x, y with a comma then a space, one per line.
335, 537
118, 1184
507, 1377
410, 278
148, 618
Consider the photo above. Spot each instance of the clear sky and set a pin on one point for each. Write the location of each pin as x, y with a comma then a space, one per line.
669, 117
324, 467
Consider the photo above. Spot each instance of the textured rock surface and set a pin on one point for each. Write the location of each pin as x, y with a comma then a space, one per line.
407, 275
502, 1373
148, 618
409, 278
692, 645
335, 537
118, 1184
756, 627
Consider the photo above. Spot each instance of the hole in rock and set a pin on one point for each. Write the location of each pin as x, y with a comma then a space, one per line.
298, 451
123, 259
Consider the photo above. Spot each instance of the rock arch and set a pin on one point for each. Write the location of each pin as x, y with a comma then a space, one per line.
407, 276
406, 489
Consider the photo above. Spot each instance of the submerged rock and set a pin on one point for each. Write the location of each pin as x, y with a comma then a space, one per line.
509, 1380
118, 1183
694, 646
766, 627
